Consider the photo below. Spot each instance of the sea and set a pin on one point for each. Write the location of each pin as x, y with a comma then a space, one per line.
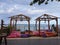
23, 27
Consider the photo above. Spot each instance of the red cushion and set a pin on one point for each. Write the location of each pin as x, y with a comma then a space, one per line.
14, 34
50, 33
35, 33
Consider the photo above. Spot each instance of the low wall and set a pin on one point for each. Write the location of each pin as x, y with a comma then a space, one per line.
33, 41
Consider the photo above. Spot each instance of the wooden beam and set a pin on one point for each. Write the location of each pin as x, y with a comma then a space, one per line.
29, 26
19, 16
39, 27
57, 25
15, 24
48, 25
36, 24
10, 24
42, 19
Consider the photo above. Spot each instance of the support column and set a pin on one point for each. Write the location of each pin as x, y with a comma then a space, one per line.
29, 26
10, 24
48, 25
39, 27
15, 24
57, 25
36, 25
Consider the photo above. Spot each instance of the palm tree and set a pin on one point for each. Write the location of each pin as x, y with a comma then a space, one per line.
41, 1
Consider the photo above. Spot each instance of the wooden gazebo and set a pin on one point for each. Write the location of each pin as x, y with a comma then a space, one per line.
47, 17
20, 17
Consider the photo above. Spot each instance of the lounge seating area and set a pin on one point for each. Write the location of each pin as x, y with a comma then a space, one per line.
18, 34
12, 32
28, 32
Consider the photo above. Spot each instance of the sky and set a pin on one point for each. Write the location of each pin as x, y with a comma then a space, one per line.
14, 7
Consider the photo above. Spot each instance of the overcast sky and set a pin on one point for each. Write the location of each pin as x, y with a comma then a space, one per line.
15, 7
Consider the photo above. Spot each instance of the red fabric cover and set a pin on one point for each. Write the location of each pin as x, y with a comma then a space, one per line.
31, 33
35, 33
50, 34
41, 33
26, 32
14, 34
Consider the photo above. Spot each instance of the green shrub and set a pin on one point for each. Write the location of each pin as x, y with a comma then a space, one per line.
6, 30
0, 31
